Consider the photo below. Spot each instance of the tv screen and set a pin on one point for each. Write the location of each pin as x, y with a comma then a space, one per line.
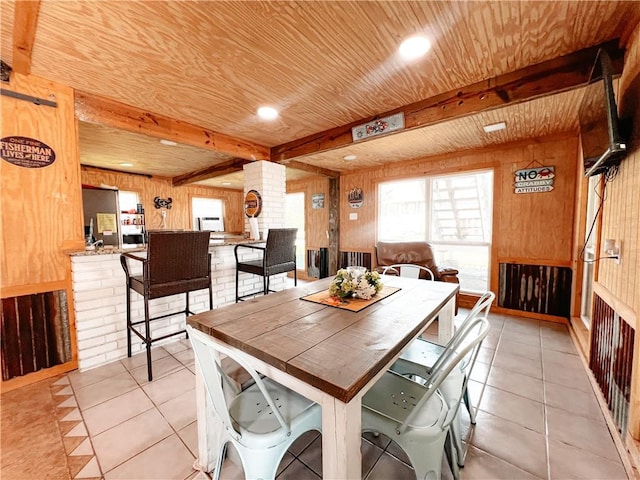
603, 144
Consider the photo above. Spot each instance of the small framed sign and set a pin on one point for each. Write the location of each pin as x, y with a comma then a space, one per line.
378, 127
534, 180
317, 200
356, 197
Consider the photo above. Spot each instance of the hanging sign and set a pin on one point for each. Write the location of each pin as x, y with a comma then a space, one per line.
26, 152
252, 203
534, 180
378, 127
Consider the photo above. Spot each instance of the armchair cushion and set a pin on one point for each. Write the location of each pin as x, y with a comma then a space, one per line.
419, 253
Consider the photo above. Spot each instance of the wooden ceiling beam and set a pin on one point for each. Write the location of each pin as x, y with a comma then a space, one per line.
306, 167
224, 168
24, 34
546, 78
96, 109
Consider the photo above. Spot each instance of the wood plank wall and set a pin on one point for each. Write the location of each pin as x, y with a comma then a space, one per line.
41, 213
621, 221
40, 208
179, 217
317, 219
527, 228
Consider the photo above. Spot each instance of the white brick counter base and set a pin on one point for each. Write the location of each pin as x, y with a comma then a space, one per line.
99, 293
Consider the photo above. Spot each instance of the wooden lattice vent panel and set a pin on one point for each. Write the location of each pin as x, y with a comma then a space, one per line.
35, 333
611, 359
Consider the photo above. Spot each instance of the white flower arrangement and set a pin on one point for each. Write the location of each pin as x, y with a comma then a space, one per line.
355, 282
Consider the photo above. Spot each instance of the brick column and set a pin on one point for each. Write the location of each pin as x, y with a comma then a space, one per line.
269, 180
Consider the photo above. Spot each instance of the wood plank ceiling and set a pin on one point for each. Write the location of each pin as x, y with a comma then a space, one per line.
323, 64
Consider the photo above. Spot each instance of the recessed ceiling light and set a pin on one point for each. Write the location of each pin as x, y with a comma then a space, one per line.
267, 113
414, 47
171, 143
126, 164
349, 158
226, 183
494, 127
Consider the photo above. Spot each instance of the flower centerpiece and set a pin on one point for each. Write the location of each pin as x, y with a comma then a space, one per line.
355, 282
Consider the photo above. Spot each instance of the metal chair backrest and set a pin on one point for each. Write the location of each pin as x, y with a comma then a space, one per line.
469, 341
281, 246
177, 256
408, 270
479, 310
207, 354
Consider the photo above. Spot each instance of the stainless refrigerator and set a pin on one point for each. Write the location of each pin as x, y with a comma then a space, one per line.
101, 216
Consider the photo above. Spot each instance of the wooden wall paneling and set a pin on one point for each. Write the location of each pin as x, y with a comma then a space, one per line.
179, 216
316, 219
621, 220
40, 213
532, 228
41, 207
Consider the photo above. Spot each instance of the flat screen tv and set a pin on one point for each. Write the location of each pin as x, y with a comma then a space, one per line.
603, 141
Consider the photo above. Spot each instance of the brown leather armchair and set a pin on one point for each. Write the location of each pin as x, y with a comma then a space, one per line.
418, 253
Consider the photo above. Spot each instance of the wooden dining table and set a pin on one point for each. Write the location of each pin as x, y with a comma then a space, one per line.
326, 353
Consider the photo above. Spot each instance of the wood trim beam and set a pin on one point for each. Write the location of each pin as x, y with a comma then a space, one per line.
24, 34
306, 167
546, 78
224, 168
101, 110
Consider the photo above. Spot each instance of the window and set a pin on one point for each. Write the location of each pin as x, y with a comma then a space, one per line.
128, 201
294, 218
208, 208
452, 212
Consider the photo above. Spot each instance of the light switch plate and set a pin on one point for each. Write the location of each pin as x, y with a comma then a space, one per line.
353, 216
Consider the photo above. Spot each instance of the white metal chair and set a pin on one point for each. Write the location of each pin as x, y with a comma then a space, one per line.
261, 421
421, 357
418, 416
408, 270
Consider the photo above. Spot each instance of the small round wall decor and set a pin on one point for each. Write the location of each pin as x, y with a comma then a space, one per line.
252, 203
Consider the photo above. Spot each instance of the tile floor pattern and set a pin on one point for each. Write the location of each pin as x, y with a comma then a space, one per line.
538, 418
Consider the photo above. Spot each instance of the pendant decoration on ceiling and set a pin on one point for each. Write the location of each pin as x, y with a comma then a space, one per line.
162, 203
26, 152
252, 203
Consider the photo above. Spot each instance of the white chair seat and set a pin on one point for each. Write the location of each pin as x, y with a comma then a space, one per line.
253, 415
394, 397
422, 352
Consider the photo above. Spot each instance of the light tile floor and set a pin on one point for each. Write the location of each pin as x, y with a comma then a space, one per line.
538, 417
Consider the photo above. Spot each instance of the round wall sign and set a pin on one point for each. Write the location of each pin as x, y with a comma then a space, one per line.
26, 152
252, 203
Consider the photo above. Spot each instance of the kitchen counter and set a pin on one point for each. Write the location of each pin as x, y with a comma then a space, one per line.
99, 294
214, 242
